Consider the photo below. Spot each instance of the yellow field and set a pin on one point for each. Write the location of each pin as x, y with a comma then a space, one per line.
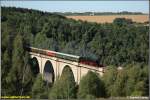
110, 18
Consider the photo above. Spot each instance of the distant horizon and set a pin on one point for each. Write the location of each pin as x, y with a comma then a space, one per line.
81, 6
75, 11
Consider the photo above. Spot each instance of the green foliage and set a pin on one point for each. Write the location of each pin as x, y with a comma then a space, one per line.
65, 87
56, 91
15, 75
122, 21
5, 68
109, 78
18, 78
130, 81
40, 88
39, 40
27, 77
91, 86
119, 84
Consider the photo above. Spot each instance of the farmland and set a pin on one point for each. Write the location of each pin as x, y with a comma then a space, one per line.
110, 18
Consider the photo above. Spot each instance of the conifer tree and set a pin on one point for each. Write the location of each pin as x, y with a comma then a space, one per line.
91, 86
40, 89
16, 76
65, 87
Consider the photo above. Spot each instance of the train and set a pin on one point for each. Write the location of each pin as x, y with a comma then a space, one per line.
81, 60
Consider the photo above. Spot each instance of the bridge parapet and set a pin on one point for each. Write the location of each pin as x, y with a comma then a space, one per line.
100, 69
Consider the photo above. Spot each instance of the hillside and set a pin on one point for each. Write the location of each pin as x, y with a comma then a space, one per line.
97, 41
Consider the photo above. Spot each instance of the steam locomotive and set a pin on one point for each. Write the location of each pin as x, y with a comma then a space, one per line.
81, 60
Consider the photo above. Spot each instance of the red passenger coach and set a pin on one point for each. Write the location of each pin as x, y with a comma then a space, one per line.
49, 53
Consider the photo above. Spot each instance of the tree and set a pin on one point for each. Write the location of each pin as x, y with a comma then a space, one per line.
39, 41
91, 86
139, 89
27, 77
15, 76
122, 21
65, 87
17, 79
40, 89
56, 91
6, 66
137, 82
119, 84
145, 78
109, 78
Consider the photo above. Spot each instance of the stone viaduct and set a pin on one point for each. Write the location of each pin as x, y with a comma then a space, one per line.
51, 67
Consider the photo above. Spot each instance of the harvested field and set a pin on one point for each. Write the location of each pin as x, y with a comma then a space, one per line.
110, 18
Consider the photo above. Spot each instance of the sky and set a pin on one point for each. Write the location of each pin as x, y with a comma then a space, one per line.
82, 6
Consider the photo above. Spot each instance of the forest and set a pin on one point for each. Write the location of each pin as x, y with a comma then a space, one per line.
121, 43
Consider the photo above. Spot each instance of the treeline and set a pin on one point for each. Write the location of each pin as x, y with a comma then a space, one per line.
98, 13
120, 43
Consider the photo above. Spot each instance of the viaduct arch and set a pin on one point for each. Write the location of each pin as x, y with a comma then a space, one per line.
48, 72
70, 72
34, 66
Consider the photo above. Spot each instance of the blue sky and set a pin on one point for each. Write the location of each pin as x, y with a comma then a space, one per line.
82, 6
